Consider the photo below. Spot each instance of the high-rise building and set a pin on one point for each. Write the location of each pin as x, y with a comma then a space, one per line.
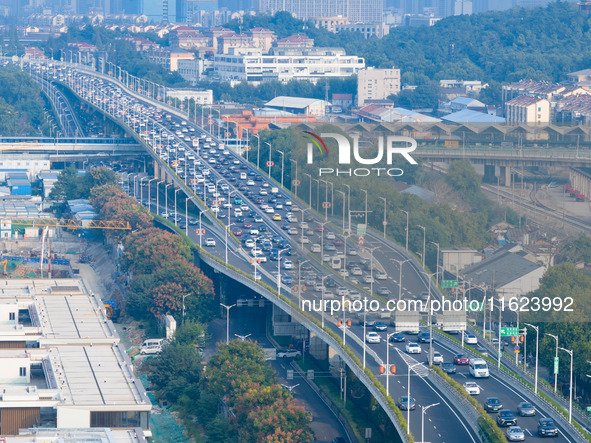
462, 7
356, 11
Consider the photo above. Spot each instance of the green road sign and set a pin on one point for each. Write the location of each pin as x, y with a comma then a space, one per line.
449, 283
361, 229
509, 332
556, 360
479, 308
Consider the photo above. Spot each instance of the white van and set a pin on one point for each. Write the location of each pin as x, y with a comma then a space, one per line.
478, 368
152, 346
316, 247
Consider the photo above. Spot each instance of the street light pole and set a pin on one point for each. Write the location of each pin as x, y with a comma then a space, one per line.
400, 263
424, 239
437, 265
363, 190
570, 402
384, 223
166, 198
282, 163
176, 216
227, 321
310, 197
388, 362
424, 410
150, 193
537, 329
555, 337
349, 205
410, 368
269, 163
406, 212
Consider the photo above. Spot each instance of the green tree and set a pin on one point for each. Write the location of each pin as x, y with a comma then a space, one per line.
462, 177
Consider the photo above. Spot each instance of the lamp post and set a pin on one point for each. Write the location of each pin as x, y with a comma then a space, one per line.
227, 228
322, 306
176, 216
282, 162
300, 281
555, 337
258, 149
384, 223
166, 198
242, 337
142, 189
158, 196
310, 197
295, 183
388, 362
570, 401
537, 329
424, 239
227, 321
279, 270
269, 162
424, 410
363, 190
349, 204
183, 314
437, 264
150, 193
187, 216
400, 263
406, 212
343, 194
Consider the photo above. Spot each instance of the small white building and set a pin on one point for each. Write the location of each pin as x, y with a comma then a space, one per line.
202, 97
299, 105
455, 260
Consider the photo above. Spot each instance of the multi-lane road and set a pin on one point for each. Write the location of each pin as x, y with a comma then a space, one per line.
264, 218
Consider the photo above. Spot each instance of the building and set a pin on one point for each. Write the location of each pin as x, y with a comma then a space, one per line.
18, 183
378, 113
192, 70
508, 274
525, 109
581, 78
470, 116
377, 84
179, 54
462, 7
188, 38
356, 11
532, 88
200, 96
299, 105
262, 38
367, 29
295, 41
228, 43
53, 435
460, 103
345, 101
421, 20
329, 23
456, 88
48, 179
455, 260
62, 364
312, 64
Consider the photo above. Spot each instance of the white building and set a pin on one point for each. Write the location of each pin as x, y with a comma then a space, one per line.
377, 84
201, 97
455, 260
62, 364
299, 105
524, 109
307, 64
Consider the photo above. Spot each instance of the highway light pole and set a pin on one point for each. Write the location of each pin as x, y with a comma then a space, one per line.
269, 162
158, 196
295, 180
424, 240
150, 193
384, 223
227, 321
388, 362
166, 198
570, 402
258, 149
363, 190
400, 263
282, 165
406, 212
437, 265
410, 368
349, 205
343, 194
187, 216
555, 337
537, 329
310, 197
279, 270
176, 216
424, 410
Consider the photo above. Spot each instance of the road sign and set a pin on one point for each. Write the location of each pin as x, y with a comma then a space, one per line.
326, 205
556, 360
479, 308
361, 229
289, 374
270, 163
509, 332
384, 223
295, 182
449, 283
516, 348
361, 239
500, 354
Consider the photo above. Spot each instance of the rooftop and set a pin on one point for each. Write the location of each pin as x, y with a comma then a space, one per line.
89, 435
293, 102
499, 269
470, 116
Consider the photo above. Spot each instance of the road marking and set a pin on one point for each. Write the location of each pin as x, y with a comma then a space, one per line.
529, 432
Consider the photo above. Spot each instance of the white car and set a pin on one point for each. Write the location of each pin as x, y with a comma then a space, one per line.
381, 276
437, 358
372, 337
287, 264
472, 388
209, 242
413, 348
515, 433
249, 243
288, 353
470, 339
270, 210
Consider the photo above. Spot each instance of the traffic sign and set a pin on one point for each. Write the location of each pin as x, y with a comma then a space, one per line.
361, 239
384, 223
479, 308
295, 182
556, 361
449, 283
361, 229
516, 348
271, 163
326, 205
509, 332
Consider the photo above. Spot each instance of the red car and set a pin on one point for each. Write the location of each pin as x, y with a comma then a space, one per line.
237, 232
247, 225
320, 228
338, 243
461, 359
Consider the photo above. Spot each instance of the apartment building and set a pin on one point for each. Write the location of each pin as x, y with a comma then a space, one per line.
367, 29
377, 84
310, 64
329, 23
356, 11
62, 364
525, 109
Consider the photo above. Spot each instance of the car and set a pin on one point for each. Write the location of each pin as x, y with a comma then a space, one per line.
515, 433
249, 243
381, 275
372, 337
472, 388
547, 428
380, 326
193, 221
237, 232
493, 404
277, 217
397, 337
506, 417
437, 358
256, 276
413, 348
210, 242
482, 350
405, 403
320, 229
383, 291
470, 339
288, 264
448, 368
424, 337
338, 243
461, 359
288, 353
526, 409
368, 279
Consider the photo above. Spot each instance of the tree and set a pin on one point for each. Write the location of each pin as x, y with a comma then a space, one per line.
191, 333
166, 299
149, 249
462, 177
68, 186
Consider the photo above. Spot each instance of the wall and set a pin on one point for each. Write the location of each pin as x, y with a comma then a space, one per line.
11, 366
73, 417
6, 309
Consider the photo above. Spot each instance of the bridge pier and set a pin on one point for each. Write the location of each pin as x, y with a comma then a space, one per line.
505, 175
490, 175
